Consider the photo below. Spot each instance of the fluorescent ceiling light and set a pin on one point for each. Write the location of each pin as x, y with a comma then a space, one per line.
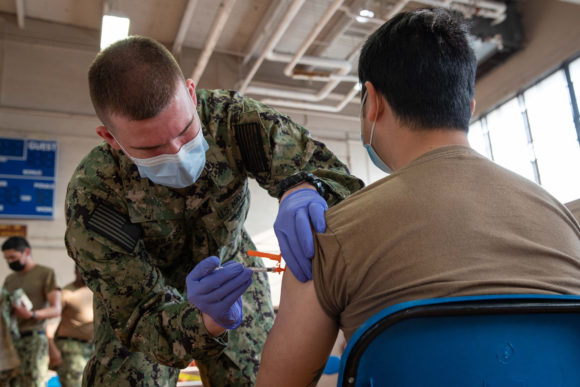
114, 28
367, 13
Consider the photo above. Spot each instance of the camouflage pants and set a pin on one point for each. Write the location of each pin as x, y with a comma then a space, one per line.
9, 378
111, 364
33, 353
75, 355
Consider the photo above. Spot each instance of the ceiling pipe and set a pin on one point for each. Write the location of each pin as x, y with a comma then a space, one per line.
20, 13
287, 93
281, 93
333, 80
331, 85
183, 27
310, 60
341, 75
309, 106
264, 29
282, 27
288, 70
224, 13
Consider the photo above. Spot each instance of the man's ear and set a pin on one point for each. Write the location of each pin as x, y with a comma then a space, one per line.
104, 133
373, 103
472, 106
191, 90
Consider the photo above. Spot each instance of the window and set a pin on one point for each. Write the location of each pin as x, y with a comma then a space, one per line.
554, 136
478, 138
509, 142
535, 133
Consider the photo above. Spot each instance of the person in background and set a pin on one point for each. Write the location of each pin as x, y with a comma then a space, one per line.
9, 360
446, 222
39, 285
160, 205
74, 335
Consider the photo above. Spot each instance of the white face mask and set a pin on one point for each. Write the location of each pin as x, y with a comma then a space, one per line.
375, 158
178, 170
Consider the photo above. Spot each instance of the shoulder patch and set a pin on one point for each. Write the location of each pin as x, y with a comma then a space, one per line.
114, 226
251, 146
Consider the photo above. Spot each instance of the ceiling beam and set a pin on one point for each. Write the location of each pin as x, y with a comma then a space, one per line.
183, 27
20, 13
224, 11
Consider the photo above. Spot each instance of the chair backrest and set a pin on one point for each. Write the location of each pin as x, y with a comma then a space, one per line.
483, 341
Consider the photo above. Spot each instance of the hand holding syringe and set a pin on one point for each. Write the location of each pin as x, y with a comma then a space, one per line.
275, 257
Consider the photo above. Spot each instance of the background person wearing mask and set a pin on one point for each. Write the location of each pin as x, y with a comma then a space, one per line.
157, 208
74, 335
446, 222
39, 284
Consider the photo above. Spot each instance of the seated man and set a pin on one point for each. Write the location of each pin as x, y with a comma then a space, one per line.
446, 222
574, 208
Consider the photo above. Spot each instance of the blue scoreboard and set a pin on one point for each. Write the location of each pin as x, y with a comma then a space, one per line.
27, 178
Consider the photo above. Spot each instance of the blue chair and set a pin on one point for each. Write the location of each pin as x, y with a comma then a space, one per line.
480, 341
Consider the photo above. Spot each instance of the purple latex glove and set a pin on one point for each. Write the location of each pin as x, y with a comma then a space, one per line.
217, 291
297, 212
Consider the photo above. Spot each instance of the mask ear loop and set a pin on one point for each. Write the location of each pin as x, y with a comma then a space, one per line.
361, 115
374, 122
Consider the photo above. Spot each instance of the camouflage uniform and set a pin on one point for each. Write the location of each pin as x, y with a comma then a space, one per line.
33, 352
9, 378
135, 242
9, 360
75, 355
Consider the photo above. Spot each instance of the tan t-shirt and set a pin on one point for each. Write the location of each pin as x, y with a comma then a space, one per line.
36, 283
450, 223
574, 208
77, 313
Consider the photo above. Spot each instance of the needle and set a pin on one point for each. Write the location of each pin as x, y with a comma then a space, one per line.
261, 269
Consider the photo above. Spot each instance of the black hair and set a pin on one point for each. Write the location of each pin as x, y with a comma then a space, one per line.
15, 243
421, 62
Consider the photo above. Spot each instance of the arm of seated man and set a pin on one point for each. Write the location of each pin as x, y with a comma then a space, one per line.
301, 339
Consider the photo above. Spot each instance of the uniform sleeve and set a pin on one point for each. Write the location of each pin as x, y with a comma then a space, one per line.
273, 147
146, 314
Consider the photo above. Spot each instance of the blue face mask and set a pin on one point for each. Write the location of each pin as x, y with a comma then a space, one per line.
377, 161
178, 170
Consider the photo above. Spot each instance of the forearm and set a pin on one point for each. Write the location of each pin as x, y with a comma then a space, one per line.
46, 313
213, 328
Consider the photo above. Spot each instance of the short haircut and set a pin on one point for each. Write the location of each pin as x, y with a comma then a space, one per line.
421, 62
135, 78
15, 243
